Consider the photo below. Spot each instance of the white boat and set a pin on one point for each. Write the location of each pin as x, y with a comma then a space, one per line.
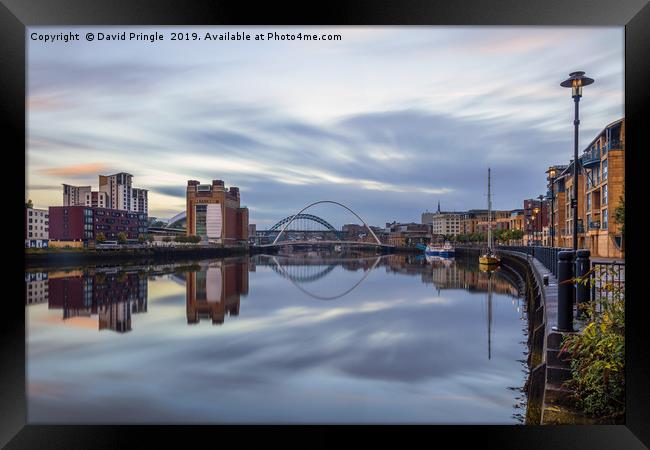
447, 250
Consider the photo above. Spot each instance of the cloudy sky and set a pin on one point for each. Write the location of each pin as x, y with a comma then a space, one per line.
389, 120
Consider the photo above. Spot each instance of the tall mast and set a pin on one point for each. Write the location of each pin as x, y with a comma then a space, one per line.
489, 216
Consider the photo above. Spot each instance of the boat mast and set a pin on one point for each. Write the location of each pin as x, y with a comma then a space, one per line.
489, 216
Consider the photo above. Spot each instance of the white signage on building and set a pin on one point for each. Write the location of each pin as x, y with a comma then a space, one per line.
213, 220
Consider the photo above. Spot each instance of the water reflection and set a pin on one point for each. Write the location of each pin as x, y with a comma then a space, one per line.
407, 341
215, 289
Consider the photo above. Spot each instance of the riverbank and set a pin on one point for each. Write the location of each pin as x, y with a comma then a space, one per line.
43, 258
37, 258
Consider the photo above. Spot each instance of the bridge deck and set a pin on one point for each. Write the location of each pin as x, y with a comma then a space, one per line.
344, 243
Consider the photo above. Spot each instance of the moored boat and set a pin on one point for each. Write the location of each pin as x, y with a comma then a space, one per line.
489, 258
447, 250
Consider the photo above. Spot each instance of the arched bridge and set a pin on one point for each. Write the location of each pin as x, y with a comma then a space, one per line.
304, 217
284, 224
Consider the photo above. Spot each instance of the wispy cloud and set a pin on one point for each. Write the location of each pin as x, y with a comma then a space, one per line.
392, 119
76, 170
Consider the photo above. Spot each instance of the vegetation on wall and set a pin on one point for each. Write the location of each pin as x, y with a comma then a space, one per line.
598, 353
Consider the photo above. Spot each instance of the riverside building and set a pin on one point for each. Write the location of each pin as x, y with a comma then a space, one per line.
115, 192
443, 223
37, 227
215, 214
79, 226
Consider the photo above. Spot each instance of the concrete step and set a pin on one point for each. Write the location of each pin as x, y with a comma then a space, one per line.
557, 374
554, 339
556, 358
559, 415
557, 394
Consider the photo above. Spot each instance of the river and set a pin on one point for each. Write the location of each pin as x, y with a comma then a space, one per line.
308, 338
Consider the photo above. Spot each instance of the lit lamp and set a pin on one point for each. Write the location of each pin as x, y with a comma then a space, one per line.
576, 81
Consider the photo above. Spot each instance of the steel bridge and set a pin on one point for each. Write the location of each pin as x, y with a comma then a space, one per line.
301, 223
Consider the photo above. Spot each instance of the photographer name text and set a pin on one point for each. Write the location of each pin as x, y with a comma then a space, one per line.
180, 36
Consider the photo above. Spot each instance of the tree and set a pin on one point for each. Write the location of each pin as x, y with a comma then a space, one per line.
516, 235
141, 239
29, 204
100, 237
121, 237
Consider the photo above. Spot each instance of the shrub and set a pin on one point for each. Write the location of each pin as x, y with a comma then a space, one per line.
101, 237
598, 355
121, 238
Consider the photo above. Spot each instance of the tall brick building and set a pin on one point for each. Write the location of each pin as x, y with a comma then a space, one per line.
215, 214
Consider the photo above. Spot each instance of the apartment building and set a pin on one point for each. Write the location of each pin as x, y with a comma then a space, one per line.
37, 227
75, 195
604, 179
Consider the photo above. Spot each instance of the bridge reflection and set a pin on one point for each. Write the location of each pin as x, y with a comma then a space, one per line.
213, 289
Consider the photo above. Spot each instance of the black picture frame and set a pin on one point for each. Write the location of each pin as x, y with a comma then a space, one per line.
16, 15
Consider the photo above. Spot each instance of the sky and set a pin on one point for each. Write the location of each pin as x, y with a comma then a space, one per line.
388, 120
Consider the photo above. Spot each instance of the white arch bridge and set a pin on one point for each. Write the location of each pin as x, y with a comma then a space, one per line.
282, 227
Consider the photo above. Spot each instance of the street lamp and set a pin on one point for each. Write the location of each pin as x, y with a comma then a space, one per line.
541, 219
550, 196
576, 81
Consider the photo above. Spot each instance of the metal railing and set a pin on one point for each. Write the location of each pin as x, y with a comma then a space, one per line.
607, 281
546, 255
591, 157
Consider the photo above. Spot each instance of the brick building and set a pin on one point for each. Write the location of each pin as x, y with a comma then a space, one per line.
215, 214
82, 224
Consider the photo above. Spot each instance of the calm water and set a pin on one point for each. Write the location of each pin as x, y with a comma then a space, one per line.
390, 339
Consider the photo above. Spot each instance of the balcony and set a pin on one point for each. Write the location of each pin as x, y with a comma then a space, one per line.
613, 145
595, 225
591, 157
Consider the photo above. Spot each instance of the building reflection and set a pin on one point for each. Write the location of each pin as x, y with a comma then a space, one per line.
452, 274
111, 296
215, 290
36, 287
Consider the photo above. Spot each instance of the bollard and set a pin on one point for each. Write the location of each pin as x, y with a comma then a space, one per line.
565, 291
582, 289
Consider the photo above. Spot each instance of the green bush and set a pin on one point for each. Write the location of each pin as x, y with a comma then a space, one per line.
598, 355
121, 238
190, 239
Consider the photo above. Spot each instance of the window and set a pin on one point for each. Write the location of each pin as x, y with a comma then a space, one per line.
604, 225
604, 170
604, 196
589, 202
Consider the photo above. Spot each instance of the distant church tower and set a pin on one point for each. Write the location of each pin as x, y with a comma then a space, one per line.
438, 205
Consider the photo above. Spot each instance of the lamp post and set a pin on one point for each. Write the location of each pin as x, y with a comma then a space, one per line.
550, 196
576, 81
534, 225
541, 220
